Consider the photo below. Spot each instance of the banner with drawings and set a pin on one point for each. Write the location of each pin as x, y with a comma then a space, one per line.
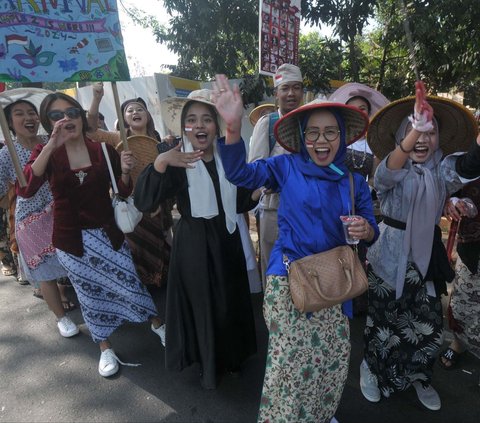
279, 33
61, 40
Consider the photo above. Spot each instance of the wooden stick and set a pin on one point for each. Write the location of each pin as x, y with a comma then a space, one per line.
121, 123
11, 149
452, 235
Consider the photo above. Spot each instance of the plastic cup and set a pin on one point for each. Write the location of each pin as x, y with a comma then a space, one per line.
346, 222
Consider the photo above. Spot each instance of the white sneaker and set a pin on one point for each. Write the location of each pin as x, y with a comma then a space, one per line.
160, 331
108, 364
66, 327
428, 396
369, 383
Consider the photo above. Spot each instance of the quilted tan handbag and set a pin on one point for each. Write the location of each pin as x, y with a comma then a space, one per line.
328, 278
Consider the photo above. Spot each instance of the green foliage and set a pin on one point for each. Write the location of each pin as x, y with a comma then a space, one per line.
320, 61
209, 36
348, 18
221, 36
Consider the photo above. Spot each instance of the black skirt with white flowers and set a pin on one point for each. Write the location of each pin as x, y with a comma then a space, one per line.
402, 337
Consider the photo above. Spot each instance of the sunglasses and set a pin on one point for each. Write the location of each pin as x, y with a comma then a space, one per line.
71, 113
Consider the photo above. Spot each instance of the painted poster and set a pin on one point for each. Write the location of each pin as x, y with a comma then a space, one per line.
279, 33
61, 40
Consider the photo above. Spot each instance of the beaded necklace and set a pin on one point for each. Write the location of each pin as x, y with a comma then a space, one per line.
364, 157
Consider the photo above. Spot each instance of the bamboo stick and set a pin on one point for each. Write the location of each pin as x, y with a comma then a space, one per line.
11, 149
121, 123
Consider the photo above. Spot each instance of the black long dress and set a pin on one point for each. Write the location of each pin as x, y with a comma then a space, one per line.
209, 316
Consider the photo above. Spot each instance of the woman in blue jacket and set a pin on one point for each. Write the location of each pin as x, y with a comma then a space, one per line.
308, 353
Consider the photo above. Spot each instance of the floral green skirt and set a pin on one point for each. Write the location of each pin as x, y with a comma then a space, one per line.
307, 361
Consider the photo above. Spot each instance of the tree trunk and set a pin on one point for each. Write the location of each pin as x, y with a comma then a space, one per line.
352, 57
386, 44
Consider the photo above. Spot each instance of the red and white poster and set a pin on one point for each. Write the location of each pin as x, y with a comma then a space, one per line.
279, 33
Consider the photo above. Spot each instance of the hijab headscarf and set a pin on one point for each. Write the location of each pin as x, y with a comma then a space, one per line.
424, 202
337, 169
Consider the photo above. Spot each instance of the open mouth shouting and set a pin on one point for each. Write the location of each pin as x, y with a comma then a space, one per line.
421, 152
201, 137
31, 127
322, 152
69, 127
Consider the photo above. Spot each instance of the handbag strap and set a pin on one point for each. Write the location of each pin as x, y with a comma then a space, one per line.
352, 202
352, 192
286, 260
110, 170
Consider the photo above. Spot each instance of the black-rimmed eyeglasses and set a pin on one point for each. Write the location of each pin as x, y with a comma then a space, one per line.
313, 134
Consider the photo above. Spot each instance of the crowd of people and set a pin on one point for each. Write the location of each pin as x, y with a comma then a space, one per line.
417, 157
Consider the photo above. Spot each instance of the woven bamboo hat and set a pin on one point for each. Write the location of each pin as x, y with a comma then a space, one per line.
457, 126
172, 110
145, 151
259, 111
287, 129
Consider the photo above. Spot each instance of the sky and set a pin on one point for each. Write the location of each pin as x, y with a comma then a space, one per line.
145, 56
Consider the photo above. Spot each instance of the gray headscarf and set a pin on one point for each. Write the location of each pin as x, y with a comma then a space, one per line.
426, 198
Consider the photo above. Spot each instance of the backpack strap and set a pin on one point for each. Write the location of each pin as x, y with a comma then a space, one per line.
273, 117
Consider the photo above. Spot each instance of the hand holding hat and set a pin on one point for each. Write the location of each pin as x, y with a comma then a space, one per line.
423, 112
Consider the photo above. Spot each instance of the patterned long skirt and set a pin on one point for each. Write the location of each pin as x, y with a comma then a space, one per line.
307, 361
34, 239
150, 250
107, 285
402, 337
5, 254
464, 310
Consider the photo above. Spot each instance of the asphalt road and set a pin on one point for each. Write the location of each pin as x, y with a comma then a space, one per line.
47, 378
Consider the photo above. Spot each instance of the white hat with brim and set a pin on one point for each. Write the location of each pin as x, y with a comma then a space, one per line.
353, 89
457, 126
33, 95
172, 110
255, 114
287, 129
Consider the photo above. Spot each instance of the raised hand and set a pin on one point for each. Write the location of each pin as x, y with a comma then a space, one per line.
423, 112
57, 139
229, 104
98, 90
177, 158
